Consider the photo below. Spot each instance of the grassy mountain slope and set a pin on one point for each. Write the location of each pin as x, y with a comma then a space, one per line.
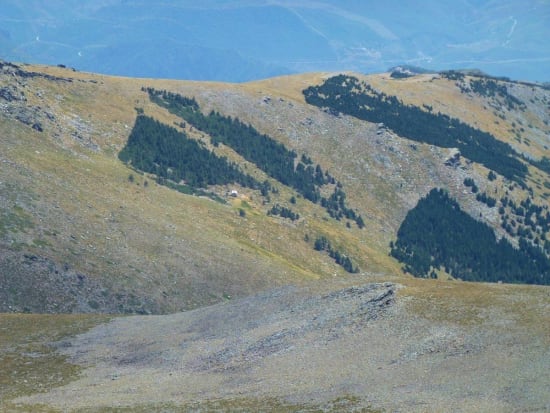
78, 235
71, 214
89, 239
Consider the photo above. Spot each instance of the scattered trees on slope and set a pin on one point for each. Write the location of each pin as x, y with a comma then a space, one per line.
346, 94
266, 153
323, 244
283, 212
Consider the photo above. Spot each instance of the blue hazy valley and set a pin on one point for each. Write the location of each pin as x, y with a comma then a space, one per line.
241, 40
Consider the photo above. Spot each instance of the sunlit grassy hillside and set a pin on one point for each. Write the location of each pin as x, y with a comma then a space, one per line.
81, 231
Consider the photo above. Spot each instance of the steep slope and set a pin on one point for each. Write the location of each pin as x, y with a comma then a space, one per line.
83, 232
289, 328
523, 216
78, 235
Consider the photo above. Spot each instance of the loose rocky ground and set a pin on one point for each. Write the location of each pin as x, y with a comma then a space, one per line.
377, 344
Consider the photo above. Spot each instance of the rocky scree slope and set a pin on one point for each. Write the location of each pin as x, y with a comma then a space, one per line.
380, 346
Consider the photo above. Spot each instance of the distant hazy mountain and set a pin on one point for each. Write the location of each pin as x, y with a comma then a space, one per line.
238, 40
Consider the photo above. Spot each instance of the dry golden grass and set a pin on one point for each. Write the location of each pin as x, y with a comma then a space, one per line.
468, 303
120, 93
154, 239
478, 111
288, 87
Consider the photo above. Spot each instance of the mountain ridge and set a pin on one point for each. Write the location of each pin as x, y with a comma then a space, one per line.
241, 308
90, 115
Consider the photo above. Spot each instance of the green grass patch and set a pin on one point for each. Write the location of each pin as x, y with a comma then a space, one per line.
28, 358
189, 190
40, 243
15, 220
341, 404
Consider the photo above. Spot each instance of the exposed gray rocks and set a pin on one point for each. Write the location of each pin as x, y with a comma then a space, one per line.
369, 341
327, 317
18, 71
82, 132
32, 283
10, 94
13, 100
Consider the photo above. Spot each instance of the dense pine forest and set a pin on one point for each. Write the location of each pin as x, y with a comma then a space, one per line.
266, 153
162, 150
269, 155
348, 95
437, 234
